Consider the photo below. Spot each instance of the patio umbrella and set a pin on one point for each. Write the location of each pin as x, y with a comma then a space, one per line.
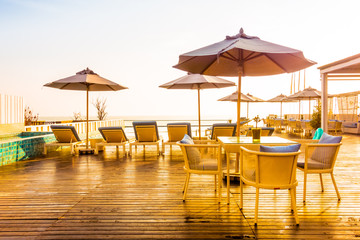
243, 55
244, 98
197, 82
86, 80
280, 98
306, 94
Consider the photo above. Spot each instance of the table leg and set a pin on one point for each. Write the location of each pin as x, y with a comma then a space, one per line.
228, 177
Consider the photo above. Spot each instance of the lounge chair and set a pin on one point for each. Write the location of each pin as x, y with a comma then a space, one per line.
222, 129
265, 131
201, 158
176, 132
320, 158
113, 136
269, 169
65, 136
146, 133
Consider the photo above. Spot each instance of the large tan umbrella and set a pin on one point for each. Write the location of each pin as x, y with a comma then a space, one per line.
243, 55
197, 82
86, 80
306, 94
280, 98
244, 98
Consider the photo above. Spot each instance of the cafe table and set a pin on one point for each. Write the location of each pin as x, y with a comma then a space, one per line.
233, 144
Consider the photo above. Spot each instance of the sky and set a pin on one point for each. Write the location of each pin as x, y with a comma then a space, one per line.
135, 43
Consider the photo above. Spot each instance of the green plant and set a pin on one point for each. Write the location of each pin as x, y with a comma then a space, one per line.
315, 121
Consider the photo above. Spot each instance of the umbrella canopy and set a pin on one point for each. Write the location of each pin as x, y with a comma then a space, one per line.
197, 82
280, 98
244, 98
86, 80
243, 55
306, 94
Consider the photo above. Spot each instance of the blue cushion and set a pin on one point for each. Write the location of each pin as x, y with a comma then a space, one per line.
289, 148
187, 140
326, 138
318, 133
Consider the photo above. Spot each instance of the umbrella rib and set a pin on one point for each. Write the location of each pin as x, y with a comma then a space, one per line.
272, 60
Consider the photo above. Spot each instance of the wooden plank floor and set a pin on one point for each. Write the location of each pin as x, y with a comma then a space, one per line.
110, 197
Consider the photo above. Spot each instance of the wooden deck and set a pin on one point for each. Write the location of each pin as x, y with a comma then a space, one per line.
110, 197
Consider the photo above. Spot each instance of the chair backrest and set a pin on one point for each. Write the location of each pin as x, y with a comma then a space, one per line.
265, 131
223, 130
146, 131
113, 134
268, 169
198, 157
65, 134
323, 155
176, 131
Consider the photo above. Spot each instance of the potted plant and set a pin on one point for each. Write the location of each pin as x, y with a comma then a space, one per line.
256, 132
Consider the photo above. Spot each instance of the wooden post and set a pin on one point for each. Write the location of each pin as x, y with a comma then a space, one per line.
324, 103
199, 112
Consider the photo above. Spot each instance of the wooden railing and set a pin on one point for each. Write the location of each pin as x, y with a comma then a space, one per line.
79, 126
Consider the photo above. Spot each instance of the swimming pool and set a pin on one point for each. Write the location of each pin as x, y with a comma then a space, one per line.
23, 146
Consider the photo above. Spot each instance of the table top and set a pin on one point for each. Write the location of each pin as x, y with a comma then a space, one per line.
248, 140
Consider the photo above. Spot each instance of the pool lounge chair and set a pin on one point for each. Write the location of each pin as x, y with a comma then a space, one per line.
222, 130
265, 131
146, 133
113, 136
176, 132
65, 136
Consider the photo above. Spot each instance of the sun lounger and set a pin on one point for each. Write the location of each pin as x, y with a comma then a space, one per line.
65, 136
176, 132
146, 133
113, 136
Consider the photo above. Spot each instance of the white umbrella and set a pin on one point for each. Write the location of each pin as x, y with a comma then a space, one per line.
243, 55
197, 82
86, 80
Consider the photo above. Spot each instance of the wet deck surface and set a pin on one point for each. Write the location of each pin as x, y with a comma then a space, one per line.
110, 197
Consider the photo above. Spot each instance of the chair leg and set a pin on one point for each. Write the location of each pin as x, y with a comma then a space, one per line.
336, 189
219, 187
322, 184
241, 194
186, 179
256, 206
124, 150
170, 149
96, 152
293, 203
215, 182
304, 194
186, 186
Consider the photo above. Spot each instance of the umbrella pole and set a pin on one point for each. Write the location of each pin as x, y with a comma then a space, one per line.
247, 109
280, 109
238, 106
87, 117
299, 109
199, 113
309, 109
